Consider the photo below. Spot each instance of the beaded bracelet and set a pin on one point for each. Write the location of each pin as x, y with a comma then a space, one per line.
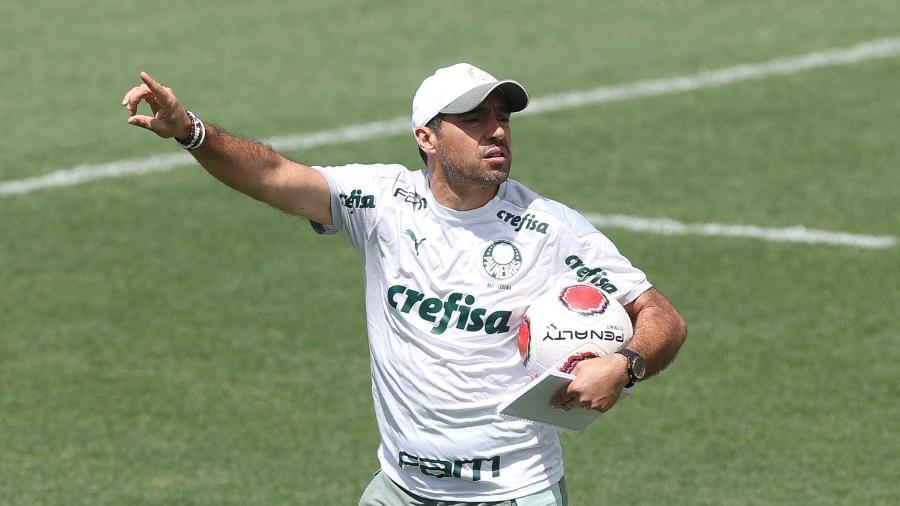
197, 134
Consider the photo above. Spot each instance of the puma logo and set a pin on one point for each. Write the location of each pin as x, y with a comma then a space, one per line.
415, 241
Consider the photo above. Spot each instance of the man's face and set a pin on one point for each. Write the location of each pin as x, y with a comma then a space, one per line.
474, 148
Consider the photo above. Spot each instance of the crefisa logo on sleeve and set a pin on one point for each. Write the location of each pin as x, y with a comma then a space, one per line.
356, 200
593, 275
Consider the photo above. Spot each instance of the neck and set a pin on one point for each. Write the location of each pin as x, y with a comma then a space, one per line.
457, 195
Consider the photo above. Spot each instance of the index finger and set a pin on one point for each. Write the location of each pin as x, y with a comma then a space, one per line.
162, 94
135, 95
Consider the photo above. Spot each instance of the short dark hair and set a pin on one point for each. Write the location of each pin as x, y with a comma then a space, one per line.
434, 124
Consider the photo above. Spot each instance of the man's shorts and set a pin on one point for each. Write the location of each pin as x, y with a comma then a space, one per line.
382, 491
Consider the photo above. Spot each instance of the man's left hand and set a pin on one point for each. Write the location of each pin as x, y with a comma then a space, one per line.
597, 385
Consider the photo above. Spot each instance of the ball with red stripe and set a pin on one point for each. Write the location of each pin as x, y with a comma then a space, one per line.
569, 324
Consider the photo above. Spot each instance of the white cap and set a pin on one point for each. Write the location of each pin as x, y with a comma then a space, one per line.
460, 88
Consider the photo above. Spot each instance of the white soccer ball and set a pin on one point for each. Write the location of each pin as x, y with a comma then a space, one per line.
569, 324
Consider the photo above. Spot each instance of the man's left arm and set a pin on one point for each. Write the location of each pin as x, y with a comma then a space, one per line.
659, 332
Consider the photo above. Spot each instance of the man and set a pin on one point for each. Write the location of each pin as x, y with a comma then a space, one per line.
452, 255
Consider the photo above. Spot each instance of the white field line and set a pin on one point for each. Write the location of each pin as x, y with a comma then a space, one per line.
796, 234
879, 48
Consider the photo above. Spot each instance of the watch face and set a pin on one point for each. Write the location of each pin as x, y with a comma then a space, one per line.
637, 367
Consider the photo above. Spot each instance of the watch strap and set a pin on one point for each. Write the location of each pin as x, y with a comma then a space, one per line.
629, 368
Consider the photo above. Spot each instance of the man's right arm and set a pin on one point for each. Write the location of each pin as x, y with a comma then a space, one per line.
245, 165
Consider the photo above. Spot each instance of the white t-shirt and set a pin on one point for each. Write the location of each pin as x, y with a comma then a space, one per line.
445, 292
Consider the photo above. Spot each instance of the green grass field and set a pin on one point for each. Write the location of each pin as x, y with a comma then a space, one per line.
165, 340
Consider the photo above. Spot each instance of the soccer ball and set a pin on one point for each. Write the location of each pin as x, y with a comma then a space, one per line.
567, 325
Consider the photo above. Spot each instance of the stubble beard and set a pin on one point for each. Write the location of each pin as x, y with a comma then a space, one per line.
470, 173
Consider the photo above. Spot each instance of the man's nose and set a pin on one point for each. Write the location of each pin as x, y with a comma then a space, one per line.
496, 129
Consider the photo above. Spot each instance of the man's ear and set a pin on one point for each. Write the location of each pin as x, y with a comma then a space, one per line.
426, 139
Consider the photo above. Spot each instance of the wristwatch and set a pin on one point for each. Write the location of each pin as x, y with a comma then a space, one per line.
635, 368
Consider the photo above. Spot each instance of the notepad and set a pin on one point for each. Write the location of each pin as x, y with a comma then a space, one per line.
532, 403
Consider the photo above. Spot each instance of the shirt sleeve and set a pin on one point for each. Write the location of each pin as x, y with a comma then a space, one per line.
356, 193
588, 256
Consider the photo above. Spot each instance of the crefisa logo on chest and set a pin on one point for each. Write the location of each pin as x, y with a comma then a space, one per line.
527, 222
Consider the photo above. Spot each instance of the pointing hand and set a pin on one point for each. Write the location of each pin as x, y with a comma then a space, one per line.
169, 118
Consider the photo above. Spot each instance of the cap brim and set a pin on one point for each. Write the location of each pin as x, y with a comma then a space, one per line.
516, 97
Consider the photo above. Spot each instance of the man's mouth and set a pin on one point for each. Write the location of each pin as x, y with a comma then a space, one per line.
495, 155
